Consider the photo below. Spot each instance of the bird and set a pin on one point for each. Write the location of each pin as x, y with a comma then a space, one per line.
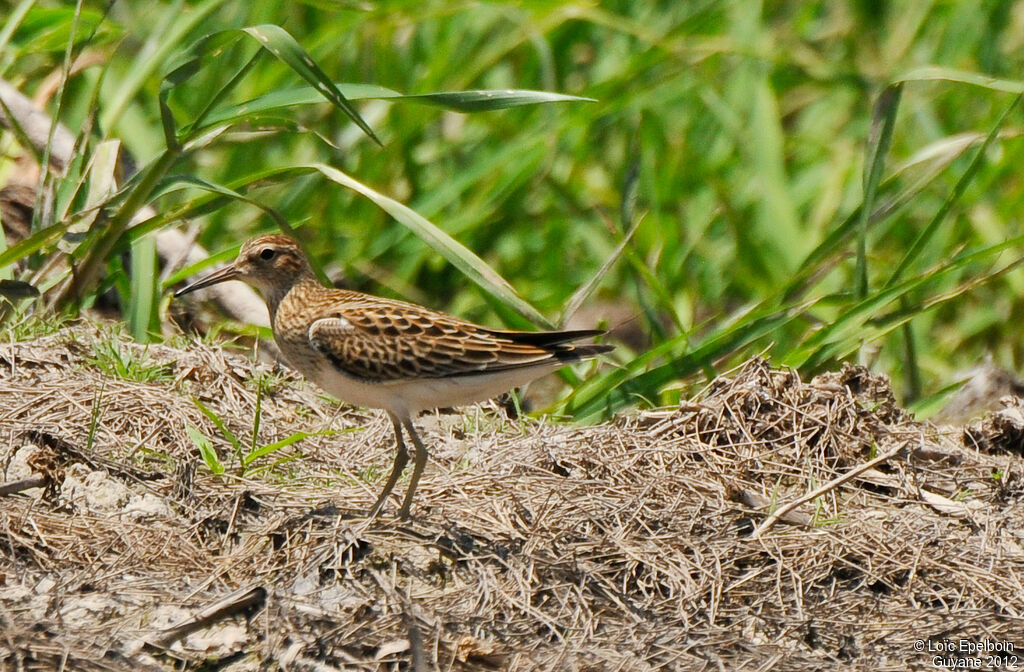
383, 353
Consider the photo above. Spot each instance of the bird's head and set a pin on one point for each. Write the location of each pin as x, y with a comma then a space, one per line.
272, 264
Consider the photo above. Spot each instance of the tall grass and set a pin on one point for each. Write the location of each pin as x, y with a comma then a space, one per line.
827, 181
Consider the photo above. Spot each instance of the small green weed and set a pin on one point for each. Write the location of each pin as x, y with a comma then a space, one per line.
127, 363
830, 521
267, 382
371, 474
146, 455
245, 453
206, 450
35, 325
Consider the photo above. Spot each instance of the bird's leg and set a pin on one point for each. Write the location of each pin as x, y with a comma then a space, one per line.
401, 459
420, 461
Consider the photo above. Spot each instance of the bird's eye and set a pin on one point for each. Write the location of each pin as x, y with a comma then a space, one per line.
267, 253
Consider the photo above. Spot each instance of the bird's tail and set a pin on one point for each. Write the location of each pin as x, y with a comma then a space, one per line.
560, 343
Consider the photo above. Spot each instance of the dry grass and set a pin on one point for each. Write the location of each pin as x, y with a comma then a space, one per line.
624, 546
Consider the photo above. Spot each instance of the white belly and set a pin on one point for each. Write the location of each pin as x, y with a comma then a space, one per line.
409, 397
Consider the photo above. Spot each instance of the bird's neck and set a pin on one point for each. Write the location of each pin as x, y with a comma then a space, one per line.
304, 286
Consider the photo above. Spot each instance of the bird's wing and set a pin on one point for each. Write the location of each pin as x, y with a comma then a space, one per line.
385, 342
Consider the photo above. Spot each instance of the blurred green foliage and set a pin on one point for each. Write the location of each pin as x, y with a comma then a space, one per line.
734, 132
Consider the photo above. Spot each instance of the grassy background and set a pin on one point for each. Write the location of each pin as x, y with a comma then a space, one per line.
736, 135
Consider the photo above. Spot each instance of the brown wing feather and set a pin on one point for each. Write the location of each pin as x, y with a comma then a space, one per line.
389, 341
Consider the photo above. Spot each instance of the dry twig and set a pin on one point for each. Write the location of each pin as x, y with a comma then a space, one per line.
827, 487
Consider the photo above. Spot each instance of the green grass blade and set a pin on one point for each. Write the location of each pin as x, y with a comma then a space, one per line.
584, 292
934, 159
280, 101
144, 284
278, 445
236, 445
223, 92
472, 266
43, 238
95, 413
14, 20
847, 327
170, 29
778, 240
928, 232
935, 73
482, 100
206, 450
281, 44
882, 122
275, 40
102, 243
884, 324
257, 416
457, 101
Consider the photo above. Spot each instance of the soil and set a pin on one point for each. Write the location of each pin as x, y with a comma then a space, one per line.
642, 543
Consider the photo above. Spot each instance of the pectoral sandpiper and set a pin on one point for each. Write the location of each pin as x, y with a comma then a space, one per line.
380, 353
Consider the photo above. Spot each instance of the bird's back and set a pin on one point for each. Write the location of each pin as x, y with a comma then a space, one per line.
377, 352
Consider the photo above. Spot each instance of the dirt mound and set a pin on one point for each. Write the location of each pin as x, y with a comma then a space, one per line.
640, 544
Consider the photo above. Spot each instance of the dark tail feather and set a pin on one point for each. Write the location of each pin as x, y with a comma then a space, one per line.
544, 339
559, 343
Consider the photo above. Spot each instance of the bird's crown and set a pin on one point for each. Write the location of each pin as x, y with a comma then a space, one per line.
272, 259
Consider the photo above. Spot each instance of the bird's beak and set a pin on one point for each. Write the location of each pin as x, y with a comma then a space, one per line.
220, 275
